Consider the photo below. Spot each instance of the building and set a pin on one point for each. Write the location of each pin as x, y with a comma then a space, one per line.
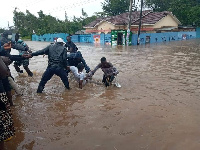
151, 22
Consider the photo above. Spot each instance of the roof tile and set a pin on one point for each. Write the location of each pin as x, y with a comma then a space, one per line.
148, 17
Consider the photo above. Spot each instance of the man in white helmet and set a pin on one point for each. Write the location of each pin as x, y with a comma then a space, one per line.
57, 63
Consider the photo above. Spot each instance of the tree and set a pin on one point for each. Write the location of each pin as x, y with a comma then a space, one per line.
100, 14
84, 14
25, 23
115, 7
158, 5
187, 11
193, 16
2, 30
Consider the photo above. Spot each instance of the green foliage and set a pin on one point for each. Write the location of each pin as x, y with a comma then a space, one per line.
115, 7
2, 30
194, 15
27, 22
26, 38
187, 11
100, 14
84, 14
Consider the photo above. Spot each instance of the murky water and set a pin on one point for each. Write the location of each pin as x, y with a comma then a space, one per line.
157, 107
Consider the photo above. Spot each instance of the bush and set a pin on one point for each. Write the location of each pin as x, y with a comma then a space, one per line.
26, 38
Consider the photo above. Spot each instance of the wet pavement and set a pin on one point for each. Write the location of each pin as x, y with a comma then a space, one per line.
157, 107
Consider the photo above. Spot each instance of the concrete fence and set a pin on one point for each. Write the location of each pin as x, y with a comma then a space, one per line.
163, 37
106, 38
198, 32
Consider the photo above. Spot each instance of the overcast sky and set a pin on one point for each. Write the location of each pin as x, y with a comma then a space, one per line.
55, 8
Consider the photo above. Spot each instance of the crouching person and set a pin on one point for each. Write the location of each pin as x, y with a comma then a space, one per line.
110, 72
79, 75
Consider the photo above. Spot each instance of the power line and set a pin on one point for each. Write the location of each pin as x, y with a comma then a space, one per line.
74, 5
33, 3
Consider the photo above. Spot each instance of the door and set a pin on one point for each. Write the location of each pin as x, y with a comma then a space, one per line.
119, 38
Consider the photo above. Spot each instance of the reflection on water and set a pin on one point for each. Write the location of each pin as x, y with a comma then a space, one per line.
157, 106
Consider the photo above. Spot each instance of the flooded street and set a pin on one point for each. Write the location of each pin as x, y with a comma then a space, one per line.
157, 107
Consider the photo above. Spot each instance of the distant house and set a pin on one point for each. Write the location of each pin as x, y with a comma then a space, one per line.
80, 32
151, 22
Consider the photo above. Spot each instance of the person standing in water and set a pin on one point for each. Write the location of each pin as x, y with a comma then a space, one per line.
57, 63
24, 62
6, 122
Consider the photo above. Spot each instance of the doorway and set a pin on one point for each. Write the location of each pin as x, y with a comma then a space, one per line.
119, 38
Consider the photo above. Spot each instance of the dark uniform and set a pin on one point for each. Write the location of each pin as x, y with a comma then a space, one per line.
25, 62
57, 62
3, 52
71, 46
6, 122
4, 39
75, 58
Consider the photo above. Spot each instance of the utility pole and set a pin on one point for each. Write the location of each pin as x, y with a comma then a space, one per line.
138, 41
66, 16
130, 12
8, 25
129, 24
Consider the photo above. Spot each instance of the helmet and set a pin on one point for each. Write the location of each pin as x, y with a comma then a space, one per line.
60, 40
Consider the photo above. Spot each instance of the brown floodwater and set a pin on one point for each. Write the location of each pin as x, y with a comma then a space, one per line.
157, 107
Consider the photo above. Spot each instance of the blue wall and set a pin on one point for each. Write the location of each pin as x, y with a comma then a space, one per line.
85, 38
49, 37
198, 32
163, 37
106, 38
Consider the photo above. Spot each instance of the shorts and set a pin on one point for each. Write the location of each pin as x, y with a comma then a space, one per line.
107, 80
24, 62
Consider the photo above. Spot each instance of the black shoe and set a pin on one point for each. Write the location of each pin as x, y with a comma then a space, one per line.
68, 88
30, 74
40, 89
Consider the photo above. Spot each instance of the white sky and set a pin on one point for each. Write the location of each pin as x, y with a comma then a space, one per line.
55, 8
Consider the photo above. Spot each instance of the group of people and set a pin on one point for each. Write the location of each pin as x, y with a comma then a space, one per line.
60, 63
63, 58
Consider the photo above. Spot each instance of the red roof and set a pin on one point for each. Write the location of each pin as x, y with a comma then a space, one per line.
152, 17
148, 17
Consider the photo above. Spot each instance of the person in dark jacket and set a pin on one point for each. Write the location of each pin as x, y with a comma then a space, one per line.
6, 39
71, 47
57, 63
25, 62
16, 37
75, 58
6, 121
